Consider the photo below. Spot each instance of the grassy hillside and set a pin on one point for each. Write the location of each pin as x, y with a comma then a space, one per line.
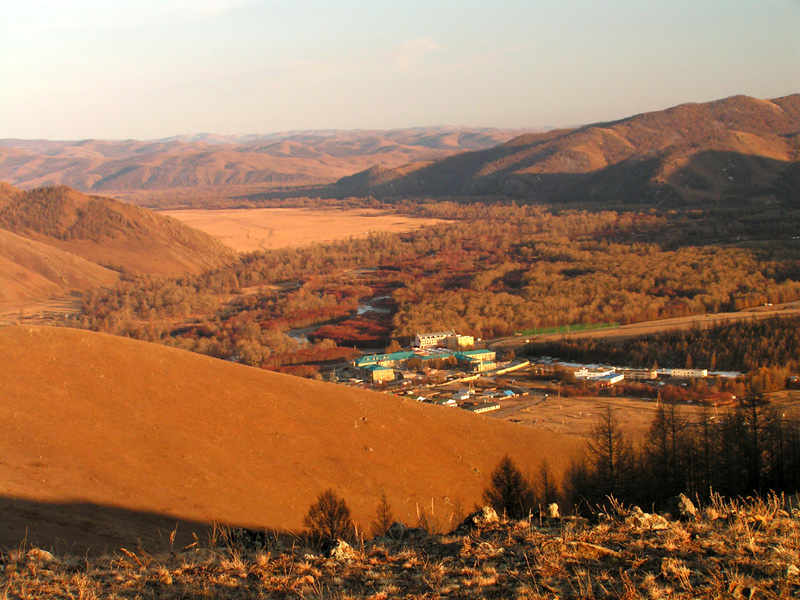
31, 271
99, 421
736, 148
109, 232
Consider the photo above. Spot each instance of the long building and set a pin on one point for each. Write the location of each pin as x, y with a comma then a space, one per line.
393, 359
640, 374
447, 339
689, 373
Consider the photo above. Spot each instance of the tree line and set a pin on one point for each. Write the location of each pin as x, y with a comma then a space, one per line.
489, 271
752, 449
765, 350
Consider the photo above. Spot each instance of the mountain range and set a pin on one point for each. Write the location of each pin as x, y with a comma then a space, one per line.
738, 148
212, 160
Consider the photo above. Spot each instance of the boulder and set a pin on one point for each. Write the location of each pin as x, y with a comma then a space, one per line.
638, 519
396, 531
40, 556
481, 519
417, 533
553, 512
341, 550
681, 508
242, 538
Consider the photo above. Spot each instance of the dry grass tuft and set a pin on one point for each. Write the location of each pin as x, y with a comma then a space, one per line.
754, 552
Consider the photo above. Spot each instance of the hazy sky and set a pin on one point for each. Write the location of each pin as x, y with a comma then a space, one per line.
74, 69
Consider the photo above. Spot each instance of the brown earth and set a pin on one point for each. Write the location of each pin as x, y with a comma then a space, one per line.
579, 415
92, 424
247, 230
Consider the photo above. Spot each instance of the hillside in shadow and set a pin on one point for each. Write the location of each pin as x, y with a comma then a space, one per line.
80, 527
736, 148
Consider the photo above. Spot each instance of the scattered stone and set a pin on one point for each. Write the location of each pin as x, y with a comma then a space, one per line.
681, 508
40, 556
642, 520
481, 519
574, 522
792, 572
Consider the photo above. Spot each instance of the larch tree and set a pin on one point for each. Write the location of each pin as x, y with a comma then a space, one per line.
508, 491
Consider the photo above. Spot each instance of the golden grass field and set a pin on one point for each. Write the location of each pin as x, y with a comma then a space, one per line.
251, 229
103, 439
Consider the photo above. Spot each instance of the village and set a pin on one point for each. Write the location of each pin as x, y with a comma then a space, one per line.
454, 370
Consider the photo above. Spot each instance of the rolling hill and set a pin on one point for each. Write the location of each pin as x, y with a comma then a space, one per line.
108, 232
214, 160
738, 148
103, 438
31, 271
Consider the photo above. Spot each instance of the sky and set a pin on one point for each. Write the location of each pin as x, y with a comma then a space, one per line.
119, 69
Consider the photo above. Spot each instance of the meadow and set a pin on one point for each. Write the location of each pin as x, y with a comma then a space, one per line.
253, 229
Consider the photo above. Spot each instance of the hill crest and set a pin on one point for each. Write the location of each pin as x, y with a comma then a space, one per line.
735, 148
109, 232
304, 157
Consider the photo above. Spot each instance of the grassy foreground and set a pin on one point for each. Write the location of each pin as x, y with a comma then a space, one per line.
728, 549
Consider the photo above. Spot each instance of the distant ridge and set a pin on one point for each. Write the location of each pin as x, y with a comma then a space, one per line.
107, 421
738, 148
196, 160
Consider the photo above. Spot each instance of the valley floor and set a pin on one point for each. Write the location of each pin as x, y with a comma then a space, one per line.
252, 229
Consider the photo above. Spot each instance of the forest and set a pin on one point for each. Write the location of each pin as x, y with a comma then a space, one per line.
491, 270
766, 351
751, 449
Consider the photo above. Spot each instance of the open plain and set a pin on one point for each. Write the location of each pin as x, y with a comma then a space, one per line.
252, 229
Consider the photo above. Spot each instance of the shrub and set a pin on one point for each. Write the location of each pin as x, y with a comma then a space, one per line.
328, 519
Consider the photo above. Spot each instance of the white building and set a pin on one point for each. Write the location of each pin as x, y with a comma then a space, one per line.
585, 373
640, 374
449, 339
482, 407
610, 379
683, 373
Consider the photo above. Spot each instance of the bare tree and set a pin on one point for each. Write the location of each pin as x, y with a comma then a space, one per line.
328, 519
546, 486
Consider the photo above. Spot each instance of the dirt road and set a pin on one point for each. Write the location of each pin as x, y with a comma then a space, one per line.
646, 327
